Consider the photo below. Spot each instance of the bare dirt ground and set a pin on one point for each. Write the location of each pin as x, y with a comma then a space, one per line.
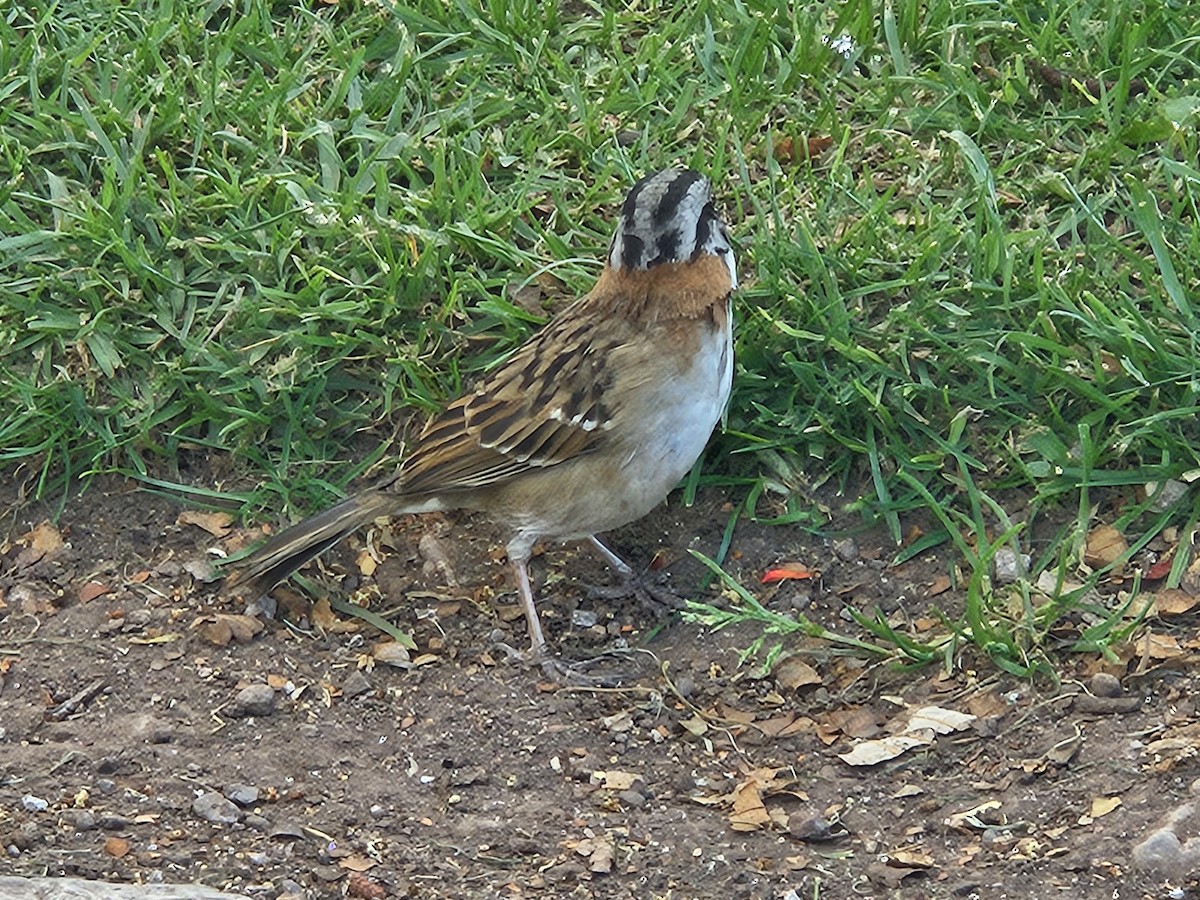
132, 751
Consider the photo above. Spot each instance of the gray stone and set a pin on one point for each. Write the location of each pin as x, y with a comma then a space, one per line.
241, 794
212, 807
14, 888
255, 700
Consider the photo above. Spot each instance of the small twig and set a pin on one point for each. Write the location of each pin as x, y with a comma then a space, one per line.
72, 705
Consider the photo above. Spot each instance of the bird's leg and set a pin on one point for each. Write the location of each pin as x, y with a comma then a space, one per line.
537, 641
615, 562
537, 654
656, 597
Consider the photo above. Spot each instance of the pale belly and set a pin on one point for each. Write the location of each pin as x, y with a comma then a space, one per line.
659, 446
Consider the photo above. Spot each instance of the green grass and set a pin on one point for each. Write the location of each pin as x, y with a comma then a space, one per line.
273, 232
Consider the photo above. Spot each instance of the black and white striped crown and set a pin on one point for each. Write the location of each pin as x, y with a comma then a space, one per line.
669, 217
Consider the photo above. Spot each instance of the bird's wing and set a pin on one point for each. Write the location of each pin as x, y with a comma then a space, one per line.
544, 406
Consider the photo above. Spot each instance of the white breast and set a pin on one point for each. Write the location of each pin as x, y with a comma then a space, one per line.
681, 415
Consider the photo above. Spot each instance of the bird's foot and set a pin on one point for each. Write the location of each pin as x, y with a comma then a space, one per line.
570, 673
659, 599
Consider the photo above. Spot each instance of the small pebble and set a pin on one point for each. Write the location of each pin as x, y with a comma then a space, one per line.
584, 618
1008, 567
257, 822
212, 807
356, 683
34, 804
255, 700
112, 822
845, 549
85, 820
241, 794
632, 798
686, 685
106, 786
26, 836
1106, 685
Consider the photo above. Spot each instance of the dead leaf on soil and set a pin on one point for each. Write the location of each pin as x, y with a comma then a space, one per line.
942, 721
1160, 646
785, 725
917, 731
1105, 545
599, 852
1102, 806
324, 618
788, 571
973, 819
366, 563
391, 653
41, 541
911, 859
940, 585
793, 673
1174, 602
356, 863
218, 524
869, 753
222, 628
615, 780
987, 704
92, 590
749, 813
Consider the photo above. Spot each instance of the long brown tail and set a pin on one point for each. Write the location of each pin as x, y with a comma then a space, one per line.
284, 553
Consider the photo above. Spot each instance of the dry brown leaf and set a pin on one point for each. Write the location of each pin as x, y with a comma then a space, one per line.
41, 541
786, 725
749, 813
1160, 646
357, 863
391, 653
1105, 545
223, 628
366, 562
92, 590
987, 704
1102, 806
729, 713
326, 619
218, 524
615, 780
793, 673
940, 585
942, 721
1174, 602
869, 753
599, 852
911, 859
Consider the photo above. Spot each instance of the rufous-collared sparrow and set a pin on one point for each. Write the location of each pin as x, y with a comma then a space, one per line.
588, 425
